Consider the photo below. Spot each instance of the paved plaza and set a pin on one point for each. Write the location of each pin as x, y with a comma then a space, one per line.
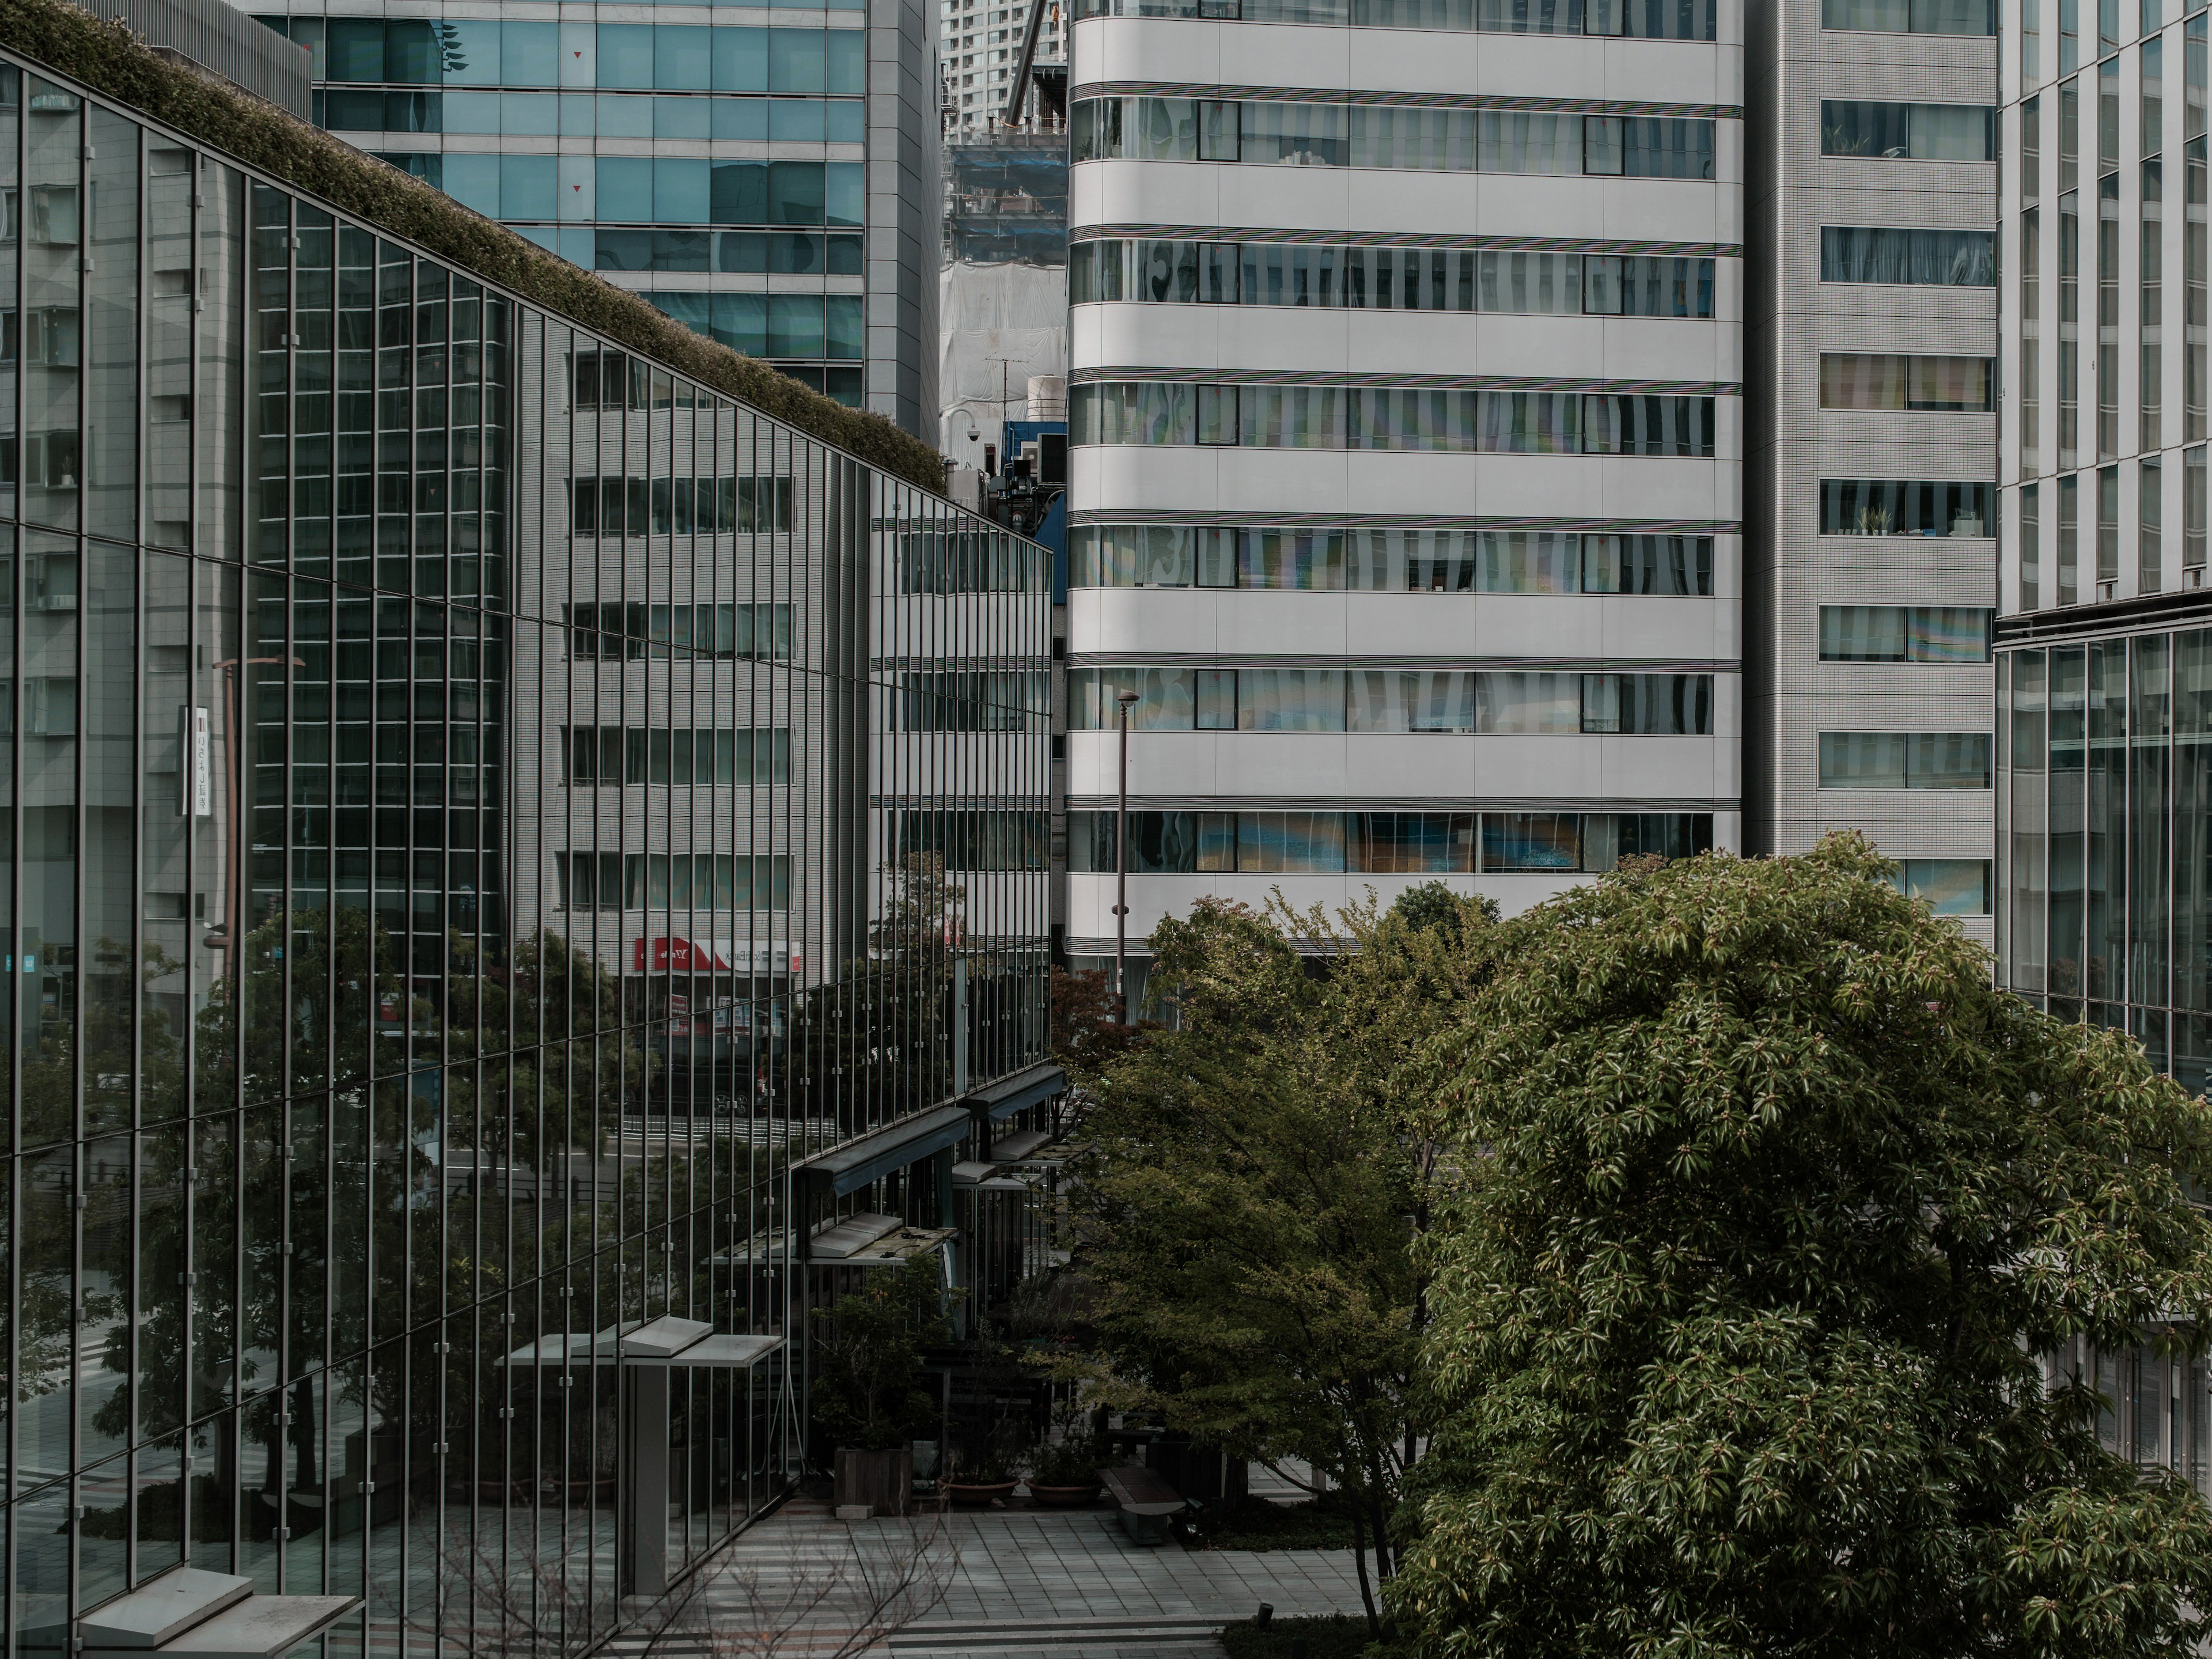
1066, 1584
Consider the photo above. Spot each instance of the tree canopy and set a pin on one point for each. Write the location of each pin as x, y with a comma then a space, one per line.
1760, 1214
1251, 1207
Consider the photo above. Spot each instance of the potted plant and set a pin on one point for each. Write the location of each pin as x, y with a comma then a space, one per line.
984, 1474
868, 1396
1066, 1472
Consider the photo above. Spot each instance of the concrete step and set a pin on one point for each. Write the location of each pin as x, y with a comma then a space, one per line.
163, 1608
260, 1627
975, 1636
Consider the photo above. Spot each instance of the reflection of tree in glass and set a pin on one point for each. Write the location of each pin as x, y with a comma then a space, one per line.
871, 1044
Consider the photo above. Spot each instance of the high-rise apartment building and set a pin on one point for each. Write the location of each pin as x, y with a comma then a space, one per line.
524, 877
1406, 444
1869, 500
2104, 754
769, 177
980, 46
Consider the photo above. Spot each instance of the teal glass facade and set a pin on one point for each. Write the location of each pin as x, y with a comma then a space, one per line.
2104, 832
459, 807
628, 147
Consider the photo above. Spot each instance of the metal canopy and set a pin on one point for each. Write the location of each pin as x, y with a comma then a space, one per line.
722, 1353
664, 1336
1031, 1086
664, 1341
848, 1168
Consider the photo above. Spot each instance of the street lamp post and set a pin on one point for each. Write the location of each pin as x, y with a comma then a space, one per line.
1125, 701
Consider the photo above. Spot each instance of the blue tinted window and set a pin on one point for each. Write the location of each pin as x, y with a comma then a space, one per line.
626, 55
795, 60
530, 54
579, 114
625, 187
682, 60
347, 110
528, 187
848, 125
846, 335
794, 325
625, 118
622, 250
470, 111
742, 250
413, 52
473, 55
848, 63
739, 321
473, 181
794, 193
688, 309
679, 193
795, 119
739, 195
740, 118
355, 51
536, 113
741, 60
680, 118
846, 192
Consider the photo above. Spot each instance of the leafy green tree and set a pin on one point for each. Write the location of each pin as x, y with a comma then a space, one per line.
870, 1389
873, 1043
1763, 1205
1258, 1187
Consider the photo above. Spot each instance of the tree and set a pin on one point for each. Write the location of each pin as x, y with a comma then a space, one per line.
1257, 1188
870, 1386
1088, 1031
1763, 1205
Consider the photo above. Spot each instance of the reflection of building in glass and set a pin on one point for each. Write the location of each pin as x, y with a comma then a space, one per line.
512, 848
713, 159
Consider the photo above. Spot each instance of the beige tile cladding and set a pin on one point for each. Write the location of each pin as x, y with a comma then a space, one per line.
1791, 444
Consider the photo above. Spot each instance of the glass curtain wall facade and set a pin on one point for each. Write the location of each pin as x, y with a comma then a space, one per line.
715, 159
2104, 626
458, 802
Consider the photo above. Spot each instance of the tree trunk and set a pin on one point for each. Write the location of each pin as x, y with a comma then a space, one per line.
1359, 1560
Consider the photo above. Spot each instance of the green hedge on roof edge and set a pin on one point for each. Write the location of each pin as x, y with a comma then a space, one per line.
108, 58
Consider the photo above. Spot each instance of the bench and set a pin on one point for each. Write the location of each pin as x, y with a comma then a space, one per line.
1145, 1501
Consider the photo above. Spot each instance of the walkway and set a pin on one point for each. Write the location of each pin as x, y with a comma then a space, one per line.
1014, 1584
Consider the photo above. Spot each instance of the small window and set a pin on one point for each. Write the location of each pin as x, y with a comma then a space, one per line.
1902, 633
1951, 887
1889, 507
1892, 382
1908, 132
1905, 760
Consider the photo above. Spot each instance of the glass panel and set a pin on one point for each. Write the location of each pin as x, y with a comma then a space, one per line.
111, 400
53, 239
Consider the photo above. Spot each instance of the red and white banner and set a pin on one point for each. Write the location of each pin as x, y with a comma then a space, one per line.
710, 955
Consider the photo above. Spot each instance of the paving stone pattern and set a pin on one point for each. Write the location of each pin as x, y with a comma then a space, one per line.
1066, 1584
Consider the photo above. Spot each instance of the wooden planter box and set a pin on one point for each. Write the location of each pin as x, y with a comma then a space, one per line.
884, 1481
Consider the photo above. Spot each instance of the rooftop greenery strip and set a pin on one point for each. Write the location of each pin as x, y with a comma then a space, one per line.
109, 59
